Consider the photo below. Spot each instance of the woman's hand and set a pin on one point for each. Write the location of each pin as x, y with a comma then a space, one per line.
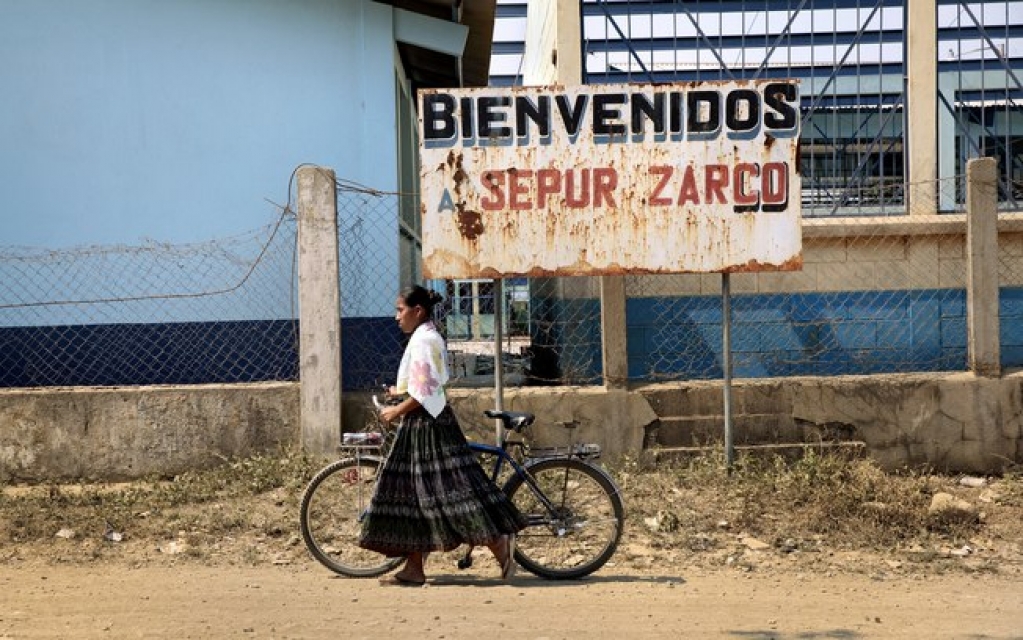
390, 413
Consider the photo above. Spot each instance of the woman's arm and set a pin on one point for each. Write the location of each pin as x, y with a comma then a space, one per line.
394, 412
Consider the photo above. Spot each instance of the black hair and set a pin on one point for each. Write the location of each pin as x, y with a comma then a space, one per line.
417, 296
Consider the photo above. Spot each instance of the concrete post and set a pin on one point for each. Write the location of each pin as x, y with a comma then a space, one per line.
319, 300
982, 266
613, 345
568, 62
922, 106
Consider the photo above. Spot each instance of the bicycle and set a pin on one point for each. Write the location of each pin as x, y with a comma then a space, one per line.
573, 507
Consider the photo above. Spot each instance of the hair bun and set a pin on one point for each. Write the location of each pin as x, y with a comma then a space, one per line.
435, 297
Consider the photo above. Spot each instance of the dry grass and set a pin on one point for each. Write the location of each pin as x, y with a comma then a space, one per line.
822, 511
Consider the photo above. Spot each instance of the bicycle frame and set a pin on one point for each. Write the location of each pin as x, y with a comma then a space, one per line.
502, 457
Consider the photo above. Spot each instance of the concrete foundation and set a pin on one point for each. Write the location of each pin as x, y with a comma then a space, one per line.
955, 423
62, 434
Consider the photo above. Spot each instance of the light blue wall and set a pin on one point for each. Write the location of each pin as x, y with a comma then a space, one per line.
177, 119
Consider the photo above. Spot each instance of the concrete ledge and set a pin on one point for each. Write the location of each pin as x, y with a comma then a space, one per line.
914, 225
61, 434
615, 419
952, 422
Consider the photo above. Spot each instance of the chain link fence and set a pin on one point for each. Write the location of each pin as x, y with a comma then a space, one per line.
218, 311
550, 331
371, 259
551, 326
867, 301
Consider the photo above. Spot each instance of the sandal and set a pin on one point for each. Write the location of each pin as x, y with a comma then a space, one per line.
398, 581
508, 566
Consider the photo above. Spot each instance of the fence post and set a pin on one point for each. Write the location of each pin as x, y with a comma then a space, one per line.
982, 267
613, 332
922, 106
319, 301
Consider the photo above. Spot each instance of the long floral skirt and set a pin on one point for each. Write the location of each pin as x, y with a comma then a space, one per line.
433, 495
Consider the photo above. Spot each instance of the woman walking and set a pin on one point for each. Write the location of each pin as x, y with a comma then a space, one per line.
432, 494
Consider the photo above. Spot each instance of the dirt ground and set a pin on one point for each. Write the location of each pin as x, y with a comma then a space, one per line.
186, 599
702, 556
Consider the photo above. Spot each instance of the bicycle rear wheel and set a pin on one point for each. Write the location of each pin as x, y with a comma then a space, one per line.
580, 531
331, 515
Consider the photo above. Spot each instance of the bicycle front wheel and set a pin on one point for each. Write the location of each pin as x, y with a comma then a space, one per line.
331, 518
579, 531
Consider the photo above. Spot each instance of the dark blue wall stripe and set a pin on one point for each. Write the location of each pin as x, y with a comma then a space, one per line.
668, 339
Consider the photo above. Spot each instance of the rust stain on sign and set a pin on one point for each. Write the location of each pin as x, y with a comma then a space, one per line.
610, 179
470, 224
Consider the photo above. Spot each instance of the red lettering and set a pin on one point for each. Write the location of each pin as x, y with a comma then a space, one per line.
605, 180
689, 194
716, 180
525, 189
741, 177
493, 182
548, 183
665, 172
518, 189
774, 186
747, 186
582, 198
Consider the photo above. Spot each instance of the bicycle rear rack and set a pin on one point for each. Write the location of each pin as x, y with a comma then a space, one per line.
586, 451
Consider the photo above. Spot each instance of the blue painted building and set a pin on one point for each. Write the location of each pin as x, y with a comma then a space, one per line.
182, 121
178, 120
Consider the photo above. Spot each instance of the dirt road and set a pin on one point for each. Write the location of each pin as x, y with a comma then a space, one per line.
192, 601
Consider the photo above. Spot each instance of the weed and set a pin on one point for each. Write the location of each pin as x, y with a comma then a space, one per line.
820, 505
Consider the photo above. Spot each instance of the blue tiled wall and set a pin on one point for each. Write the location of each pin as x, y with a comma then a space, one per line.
188, 353
668, 338
1011, 325
137, 354
798, 334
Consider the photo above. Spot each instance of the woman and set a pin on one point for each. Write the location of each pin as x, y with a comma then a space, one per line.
432, 494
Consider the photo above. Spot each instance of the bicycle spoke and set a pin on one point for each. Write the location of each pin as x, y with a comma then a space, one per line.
331, 515
580, 531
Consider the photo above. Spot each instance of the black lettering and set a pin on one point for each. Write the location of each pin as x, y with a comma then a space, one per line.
467, 118
490, 116
733, 120
539, 113
606, 114
642, 108
712, 122
438, 116
571, 115
676, 111
779, 97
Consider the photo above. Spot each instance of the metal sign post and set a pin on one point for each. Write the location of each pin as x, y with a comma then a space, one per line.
498, 358
726, 365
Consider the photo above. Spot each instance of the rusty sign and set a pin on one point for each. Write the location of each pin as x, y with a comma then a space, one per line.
609, 179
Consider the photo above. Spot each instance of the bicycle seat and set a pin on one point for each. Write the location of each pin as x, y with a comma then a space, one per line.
513, 420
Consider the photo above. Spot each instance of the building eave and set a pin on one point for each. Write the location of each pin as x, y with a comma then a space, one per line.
428, 68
